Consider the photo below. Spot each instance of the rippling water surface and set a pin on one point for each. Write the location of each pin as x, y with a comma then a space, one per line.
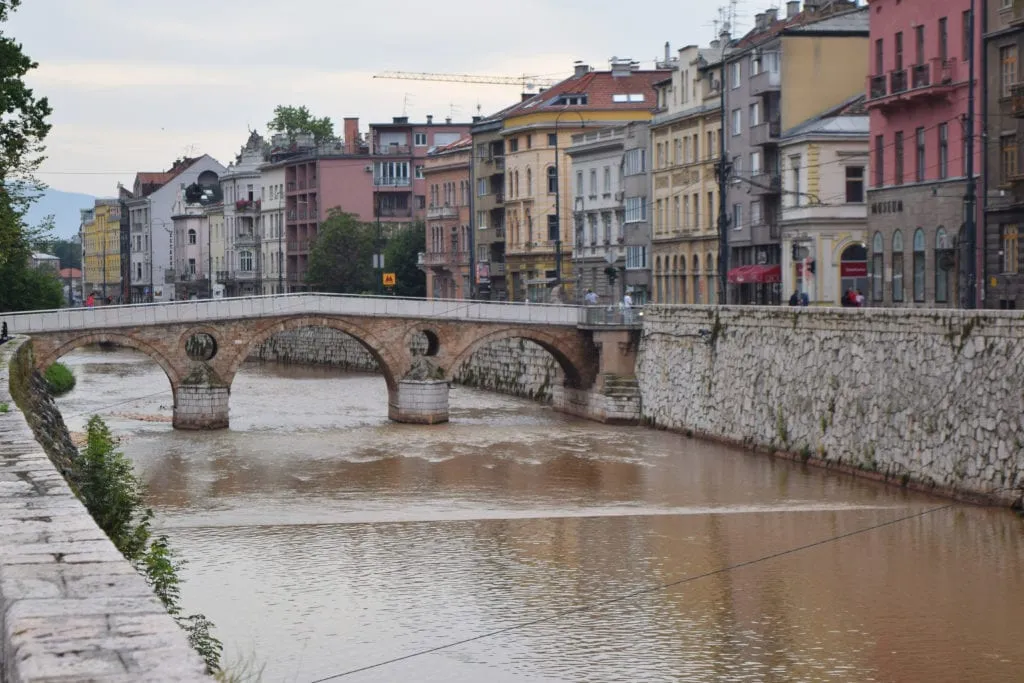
321, 538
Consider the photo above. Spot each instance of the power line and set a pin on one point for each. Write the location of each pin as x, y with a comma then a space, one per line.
634, 594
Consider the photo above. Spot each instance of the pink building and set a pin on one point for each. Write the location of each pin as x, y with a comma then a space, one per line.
917, 100
400, 151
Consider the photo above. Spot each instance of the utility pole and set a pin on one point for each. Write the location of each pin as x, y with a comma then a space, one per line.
970, 290
722, 172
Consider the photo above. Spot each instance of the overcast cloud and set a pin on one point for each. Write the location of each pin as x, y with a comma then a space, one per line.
137, 83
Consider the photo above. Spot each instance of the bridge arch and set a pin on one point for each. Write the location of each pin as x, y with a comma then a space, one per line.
569, 358
390, 366
50, 356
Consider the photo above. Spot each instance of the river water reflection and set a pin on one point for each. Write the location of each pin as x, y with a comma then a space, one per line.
322, 538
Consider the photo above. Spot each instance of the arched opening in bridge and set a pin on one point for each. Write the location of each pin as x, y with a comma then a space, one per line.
512, 365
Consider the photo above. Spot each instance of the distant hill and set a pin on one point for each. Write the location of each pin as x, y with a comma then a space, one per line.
65, 208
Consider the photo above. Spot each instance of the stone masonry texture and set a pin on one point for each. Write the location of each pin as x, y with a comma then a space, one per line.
71, 607
929, 398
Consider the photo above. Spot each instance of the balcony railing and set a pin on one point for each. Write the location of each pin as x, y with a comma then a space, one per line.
442, 212
499, 197
392, 182
764, 82
246, 237
933, 78
248, 205
878, 87
392, 150
765, 133
298, 246
395, 212
765, 183
611, 316
898, 81
445, 259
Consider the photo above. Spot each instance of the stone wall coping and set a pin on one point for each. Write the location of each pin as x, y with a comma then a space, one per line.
71, 607
198, 311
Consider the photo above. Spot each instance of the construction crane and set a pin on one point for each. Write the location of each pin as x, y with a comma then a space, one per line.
526, 82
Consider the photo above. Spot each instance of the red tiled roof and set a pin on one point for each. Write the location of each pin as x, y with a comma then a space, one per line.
147, 182
600, 87
461, 143
755, 37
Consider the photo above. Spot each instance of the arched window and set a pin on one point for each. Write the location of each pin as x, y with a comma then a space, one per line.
698, 285
191, 236
897, 267
709, 272
945, 260
529, 182
853, 269
516, 193
877, 266
919, 267
680, 280
552, 180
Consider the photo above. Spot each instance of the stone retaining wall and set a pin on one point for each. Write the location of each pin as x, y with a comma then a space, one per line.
512, 366
930, 399
71, 607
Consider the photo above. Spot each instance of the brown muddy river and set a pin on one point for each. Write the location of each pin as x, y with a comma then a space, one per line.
322, 539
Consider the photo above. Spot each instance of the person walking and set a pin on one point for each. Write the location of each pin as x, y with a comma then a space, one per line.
590, 298
627, 306
795, 299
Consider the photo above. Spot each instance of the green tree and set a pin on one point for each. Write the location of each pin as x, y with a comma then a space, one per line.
295, 120
341, 259
69, 253
401, 257
23, 125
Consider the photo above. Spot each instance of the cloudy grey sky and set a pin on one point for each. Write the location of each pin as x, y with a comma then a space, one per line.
137, 83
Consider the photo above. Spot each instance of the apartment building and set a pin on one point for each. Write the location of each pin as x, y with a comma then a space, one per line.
489, 207
101, 248
784, 71
447, 260
685, 145
241, 189
538, 175
1003, 108
917, 100
273, 247
824, 210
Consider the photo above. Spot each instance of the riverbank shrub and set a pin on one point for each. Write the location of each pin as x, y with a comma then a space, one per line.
59, 379
104, 480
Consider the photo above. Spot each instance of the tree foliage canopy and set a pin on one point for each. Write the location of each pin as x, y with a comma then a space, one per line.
295, 120
401, 257
341, 260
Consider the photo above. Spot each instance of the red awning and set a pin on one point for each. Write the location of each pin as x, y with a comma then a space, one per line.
756, 275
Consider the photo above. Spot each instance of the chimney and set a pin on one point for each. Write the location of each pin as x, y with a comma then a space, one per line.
526, 96
759, 22
668, 52
352, 134
400, 119
792, 8
448, 119
771, 15
811, 5
580, 69
715, 44
430, 119
477, 119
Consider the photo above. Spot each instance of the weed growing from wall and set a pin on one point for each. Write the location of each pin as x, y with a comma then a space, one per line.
114, 496
59, 379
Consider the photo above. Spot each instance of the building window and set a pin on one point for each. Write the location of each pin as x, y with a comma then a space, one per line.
606, 224
945, 260
191, 236
1007, 69
943, 38
899, 51
420, 139
552, 139
737, 121
879, 57
529, 182
919, 145
636, 209
877, 266
898, 145
553, 235
897, 266
755, 163
552, 180
943, 150
636, 161
636, 258
419, 173
1011, 262
192, 266
880, 160
481, 187
736, 75
593, 183
854, 184
919, 266
579, 183
966, 22
1008, 155
607, 181
245, 261
737, 216
755, 114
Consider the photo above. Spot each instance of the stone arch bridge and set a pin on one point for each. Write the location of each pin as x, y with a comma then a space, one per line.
200, 345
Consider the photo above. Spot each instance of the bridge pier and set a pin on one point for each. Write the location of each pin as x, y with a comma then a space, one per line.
614, 397
201, 400
422, 402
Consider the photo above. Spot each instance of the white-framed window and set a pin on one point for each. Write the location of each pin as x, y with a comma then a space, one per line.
635, 162
755, 114
593, 183
737, 216
420, 139
579, 183
755, 212
481, 187
191, 236
245, 261
607, 180
755, 163
636, 258
419, 173
636, 209
735, 75
737, 121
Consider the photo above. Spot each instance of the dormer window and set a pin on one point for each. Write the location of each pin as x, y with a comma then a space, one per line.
572, 100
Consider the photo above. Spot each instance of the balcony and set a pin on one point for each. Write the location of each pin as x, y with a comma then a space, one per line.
1016, 17
1017, 95
223, 276
764, 82
246, 238
499, 197
169, 277
498, 269
248, 206
395, 212
765, 183
392, 182
436, 213
445, 259
933, 79
299, 247
766, 133
392, 150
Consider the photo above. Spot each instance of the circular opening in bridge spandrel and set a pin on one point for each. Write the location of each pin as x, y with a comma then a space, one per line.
424, 343
201, 347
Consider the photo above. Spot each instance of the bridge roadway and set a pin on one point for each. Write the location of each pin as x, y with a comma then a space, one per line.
201, 344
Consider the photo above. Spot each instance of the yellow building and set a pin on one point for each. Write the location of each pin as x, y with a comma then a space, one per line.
538, 198
684, 151
101, 249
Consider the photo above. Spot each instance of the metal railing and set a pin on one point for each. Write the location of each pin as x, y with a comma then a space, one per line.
611, 316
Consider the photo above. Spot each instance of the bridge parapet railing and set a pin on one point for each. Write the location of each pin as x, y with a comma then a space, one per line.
208, 310
611, 316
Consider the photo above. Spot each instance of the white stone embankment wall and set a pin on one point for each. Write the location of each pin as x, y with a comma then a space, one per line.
512, 366
71, 607
928, 399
